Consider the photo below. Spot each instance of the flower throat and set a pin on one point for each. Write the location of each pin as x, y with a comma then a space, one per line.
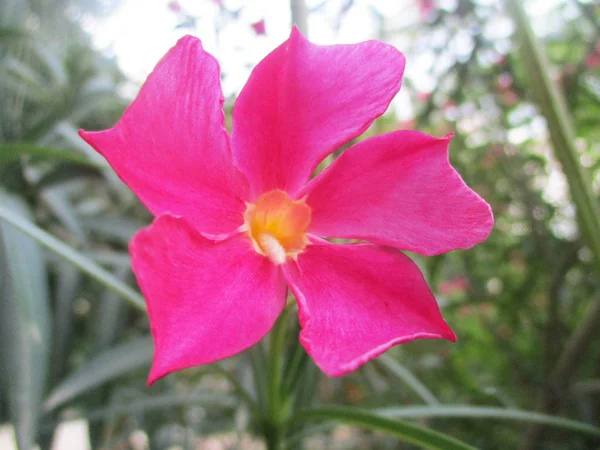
277, 225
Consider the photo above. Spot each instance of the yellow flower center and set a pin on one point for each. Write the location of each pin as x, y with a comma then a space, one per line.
277, 225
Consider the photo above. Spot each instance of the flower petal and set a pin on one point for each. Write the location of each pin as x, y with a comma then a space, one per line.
303, 101
398, 189
206, 300
357, 301
171, 146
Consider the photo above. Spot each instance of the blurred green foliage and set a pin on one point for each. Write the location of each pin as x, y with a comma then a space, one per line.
524, 304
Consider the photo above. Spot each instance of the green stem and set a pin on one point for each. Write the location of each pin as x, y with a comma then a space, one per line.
293, 370
276, 414
258, 361
562, 133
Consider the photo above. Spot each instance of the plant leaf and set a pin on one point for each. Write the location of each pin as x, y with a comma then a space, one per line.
213, 399
56, 199
399, 371
112, 315
66, 172
67, 288
484, 412
118, 229
8, 34
407, 432
74, 257
14, 150
25, 324
101, 369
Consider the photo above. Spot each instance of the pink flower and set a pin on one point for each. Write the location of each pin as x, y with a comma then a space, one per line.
423, 96
426, 8
239, 219
259, 27
174, 6
510, 98
504, 82
457, 285
449, 104
592, 60
408, 124
500, 59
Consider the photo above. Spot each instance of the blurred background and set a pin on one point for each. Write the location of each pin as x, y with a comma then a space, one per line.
525, 304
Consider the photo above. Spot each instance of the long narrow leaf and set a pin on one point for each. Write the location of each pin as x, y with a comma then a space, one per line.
407, 432
74, 257
65, 172
25, 324
105, 367
212, 399
162, 402
57, 201
484, 412
560, 128
114, 228
112, 315
12, 34
67, 288
14, 150
408, 378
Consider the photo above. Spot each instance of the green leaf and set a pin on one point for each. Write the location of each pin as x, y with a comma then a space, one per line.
197, 398
407, 432
67, 288
83, 263
24, 76
25, 324
115, 228
101, 369
239, 389
57, 201
161, 402
12, 178
12, 34
560, 128
66, 172
14, 150
484, 412
399, 371
112, 314
49, 58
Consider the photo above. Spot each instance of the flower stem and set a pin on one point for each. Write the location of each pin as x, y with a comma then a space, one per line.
562, 135
560, 127
276, 410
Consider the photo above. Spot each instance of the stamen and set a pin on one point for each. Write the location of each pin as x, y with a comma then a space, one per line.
272, 248
277, 225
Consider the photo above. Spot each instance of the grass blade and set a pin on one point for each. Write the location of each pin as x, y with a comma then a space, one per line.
484, 412
25, 324
105, 367
408, 378
73, 256
14, 150
407, 432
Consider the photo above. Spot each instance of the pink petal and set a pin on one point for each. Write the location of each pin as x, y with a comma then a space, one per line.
357, 301
303, 101
174, 6
259, 27
171, 146
398, 189
206, 300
